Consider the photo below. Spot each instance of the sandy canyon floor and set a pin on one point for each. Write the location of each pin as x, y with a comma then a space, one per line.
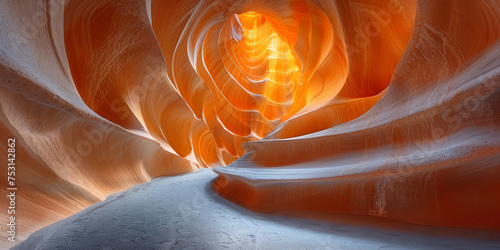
182, 212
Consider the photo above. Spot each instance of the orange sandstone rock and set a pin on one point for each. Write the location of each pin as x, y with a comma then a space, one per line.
385, 108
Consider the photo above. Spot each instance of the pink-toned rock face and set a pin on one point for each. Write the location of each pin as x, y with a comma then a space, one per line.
386, 108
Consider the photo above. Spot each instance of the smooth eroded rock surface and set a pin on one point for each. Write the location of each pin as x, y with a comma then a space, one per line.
380, 108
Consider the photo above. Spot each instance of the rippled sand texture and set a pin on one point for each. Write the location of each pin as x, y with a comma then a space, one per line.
387, 108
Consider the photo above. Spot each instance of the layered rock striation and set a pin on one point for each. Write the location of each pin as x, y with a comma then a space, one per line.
386, 108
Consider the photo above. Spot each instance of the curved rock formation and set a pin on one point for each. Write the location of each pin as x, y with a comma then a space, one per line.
385, 108
426, 152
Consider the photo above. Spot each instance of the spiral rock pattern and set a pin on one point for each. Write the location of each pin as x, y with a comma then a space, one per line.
387, 108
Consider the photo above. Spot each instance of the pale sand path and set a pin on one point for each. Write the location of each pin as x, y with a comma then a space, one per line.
182, 212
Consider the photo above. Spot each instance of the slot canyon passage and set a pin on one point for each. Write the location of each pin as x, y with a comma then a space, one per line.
286, 124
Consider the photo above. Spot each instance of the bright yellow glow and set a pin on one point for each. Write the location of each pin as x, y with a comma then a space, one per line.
268, 58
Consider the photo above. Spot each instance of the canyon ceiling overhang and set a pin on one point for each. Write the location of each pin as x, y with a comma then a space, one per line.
388, 108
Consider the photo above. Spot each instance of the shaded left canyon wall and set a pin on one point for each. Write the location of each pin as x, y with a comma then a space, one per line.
69, 156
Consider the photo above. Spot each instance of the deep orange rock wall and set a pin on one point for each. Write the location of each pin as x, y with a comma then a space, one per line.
427, 152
